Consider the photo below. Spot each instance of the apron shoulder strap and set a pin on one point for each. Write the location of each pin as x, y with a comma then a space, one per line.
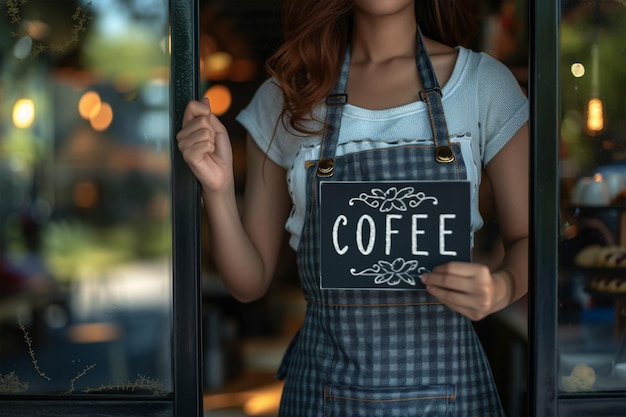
431, 95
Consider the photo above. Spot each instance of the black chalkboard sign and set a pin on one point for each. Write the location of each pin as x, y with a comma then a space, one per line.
384, 235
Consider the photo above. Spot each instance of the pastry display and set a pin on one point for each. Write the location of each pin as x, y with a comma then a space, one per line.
596, 256
608, 284
582, 378
586, 258
609, 258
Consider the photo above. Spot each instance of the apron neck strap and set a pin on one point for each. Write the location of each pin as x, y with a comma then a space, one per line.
431, 95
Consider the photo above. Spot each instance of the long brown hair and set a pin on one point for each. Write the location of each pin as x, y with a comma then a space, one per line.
316, 34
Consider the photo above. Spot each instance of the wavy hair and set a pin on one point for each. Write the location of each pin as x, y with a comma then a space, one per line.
316, 34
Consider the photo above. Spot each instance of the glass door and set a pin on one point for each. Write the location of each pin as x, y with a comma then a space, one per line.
579, 238
97, 248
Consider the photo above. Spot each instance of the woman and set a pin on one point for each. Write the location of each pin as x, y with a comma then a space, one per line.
350, 100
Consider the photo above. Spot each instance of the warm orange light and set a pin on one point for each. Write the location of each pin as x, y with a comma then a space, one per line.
102, 120
124, 82
23, 113
217, 65
243, 70
595, 116
264, 401
94, 332
85, 194
220, 98
89, 104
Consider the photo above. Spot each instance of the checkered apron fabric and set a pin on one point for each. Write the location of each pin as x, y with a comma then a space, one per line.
376, 353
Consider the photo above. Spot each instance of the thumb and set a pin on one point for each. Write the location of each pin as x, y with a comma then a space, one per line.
206, 101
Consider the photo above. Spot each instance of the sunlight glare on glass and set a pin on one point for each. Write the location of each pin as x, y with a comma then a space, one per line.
166, 44
23, 113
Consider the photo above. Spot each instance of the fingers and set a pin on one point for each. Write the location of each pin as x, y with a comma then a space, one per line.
464, 287
456, 276
205, 146
201, 109
197, 142
195, 109
199, 123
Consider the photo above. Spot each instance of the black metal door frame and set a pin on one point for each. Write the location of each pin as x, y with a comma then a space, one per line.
184, 85
544, 120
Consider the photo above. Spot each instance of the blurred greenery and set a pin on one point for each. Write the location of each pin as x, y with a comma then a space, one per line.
23, 147
109, 56
76, 250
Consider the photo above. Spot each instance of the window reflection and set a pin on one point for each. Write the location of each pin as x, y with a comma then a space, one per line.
85, 231
592, 168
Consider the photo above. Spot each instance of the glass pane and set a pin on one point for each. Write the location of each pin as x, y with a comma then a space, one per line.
85, 230
592, 307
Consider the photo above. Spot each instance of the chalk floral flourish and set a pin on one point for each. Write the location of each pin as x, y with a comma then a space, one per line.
393, 273
393, 199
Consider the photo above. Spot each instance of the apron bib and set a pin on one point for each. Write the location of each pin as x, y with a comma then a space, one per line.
369, 352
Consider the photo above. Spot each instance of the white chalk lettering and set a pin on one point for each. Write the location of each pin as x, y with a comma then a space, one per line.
371, 238
414, 234
365, 236
389, 231
343, 221
443, 232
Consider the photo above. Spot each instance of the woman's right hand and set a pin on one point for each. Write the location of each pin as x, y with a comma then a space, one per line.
205, 145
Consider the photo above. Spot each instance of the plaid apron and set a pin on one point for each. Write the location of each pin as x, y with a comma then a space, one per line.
379, 353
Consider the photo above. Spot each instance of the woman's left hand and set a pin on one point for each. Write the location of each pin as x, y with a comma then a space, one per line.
467, 288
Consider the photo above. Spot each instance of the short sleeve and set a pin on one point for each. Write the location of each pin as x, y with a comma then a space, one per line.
260, 119
503, 106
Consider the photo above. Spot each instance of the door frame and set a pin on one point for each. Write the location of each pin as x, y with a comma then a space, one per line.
544, 115
186, 254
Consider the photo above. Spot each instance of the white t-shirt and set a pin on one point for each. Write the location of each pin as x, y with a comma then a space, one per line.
484, 107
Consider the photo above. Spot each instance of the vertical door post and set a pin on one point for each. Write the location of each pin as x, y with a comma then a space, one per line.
544, 121
187, 290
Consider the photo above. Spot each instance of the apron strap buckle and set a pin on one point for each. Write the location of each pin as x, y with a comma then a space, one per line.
336, 99
444, 154
425, 93
326, 167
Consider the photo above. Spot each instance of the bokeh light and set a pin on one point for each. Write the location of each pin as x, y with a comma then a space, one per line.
578, 69
85, 194
217, 65
89, 104
101, 120
595, 116
23, 113
220, 98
